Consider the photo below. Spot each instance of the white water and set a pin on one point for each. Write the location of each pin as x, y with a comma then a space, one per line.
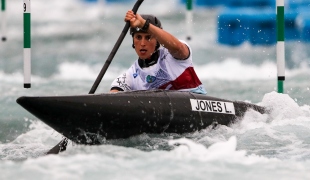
71, 41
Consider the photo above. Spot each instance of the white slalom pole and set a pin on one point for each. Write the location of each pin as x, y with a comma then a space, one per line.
27, 44
280, 45
189, 18
3, 20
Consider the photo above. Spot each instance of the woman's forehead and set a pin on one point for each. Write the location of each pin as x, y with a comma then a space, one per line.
141, 34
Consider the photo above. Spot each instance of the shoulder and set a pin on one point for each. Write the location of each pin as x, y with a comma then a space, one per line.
165, 54
188, 46
184, 42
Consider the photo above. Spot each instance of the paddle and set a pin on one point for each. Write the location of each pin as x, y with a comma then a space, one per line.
114, 50
61, 146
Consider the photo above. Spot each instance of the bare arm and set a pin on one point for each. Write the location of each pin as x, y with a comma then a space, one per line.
177, 49
114, 91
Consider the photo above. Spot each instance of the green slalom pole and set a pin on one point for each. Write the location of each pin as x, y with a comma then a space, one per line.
27, 44
280, 45
3, 20
189, 18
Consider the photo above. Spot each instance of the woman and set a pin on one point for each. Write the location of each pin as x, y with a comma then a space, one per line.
168, 67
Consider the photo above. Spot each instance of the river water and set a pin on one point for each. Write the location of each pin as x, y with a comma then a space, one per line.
71, 41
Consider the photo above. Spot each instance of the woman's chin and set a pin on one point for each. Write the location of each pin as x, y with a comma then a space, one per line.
144, 57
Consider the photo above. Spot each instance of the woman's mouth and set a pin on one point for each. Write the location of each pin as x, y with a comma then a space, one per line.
143, 51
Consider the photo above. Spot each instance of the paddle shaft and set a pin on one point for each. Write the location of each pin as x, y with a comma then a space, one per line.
61, 146
114, 50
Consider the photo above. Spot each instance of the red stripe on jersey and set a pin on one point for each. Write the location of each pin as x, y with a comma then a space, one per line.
187, 80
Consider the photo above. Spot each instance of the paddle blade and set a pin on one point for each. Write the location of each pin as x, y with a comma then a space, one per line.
61, 146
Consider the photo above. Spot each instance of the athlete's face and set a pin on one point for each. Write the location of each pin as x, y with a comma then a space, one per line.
145, 45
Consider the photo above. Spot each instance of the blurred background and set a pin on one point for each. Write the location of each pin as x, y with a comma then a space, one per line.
85, 31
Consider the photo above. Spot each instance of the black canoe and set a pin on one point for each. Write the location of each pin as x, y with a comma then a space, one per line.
89, 119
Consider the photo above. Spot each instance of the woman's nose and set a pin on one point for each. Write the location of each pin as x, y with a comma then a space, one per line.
143, 40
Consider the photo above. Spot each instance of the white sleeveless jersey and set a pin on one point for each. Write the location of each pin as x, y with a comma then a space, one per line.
168, 73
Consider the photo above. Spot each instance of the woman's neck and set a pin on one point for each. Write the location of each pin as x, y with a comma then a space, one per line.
143, 63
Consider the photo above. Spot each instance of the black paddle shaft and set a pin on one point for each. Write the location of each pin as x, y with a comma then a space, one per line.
61, 146
114, 50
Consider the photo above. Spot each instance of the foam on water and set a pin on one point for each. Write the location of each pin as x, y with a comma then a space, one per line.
283, 133
17, 77
70, 41
82, 71
114, 162
225, 70
30, 144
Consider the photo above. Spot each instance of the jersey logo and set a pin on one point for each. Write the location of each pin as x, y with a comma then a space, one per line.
150, 79
135, 74
122, 82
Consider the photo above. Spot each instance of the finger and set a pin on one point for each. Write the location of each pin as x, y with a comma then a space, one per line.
132, 20
129, 15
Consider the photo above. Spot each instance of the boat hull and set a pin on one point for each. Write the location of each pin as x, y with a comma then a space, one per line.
90, 119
